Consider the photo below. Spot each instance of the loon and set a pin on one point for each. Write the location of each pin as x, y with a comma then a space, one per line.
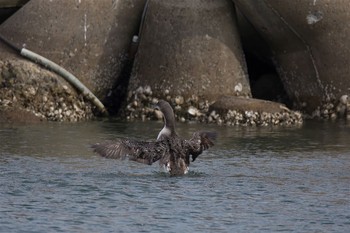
169, 149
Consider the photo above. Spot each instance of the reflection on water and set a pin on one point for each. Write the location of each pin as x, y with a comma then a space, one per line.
254, 180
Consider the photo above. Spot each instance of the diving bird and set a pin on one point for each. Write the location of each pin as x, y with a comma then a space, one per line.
172, 151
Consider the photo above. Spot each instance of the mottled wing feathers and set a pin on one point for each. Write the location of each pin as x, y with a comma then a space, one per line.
199, 142
142, 152
150, 152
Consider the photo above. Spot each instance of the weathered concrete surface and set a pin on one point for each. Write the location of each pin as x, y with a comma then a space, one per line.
310, 45
32, 91
227, 110
8, 116
190, 49
232, 110
225, 103
87, 38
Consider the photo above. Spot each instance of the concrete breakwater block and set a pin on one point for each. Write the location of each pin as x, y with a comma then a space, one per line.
232, 110
310, 46
32, 91
189, 49
88, 38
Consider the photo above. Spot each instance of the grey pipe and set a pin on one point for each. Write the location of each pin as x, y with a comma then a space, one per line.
60, 71
66, 75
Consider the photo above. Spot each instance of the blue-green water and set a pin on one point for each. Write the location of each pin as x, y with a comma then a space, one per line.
253, 180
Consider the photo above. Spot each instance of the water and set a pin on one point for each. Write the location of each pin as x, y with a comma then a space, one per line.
254, 180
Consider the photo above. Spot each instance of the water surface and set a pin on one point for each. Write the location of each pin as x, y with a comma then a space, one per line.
269, 179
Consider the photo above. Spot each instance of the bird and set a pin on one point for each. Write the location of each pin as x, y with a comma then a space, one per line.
173, 152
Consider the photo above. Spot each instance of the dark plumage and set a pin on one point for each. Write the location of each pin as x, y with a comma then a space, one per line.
170, 150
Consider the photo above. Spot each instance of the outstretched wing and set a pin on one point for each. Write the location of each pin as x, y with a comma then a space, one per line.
139, 151
199, 142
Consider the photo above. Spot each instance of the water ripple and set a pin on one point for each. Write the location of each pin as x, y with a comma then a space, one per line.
252, 181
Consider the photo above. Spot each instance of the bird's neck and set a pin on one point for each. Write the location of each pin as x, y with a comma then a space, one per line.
165, 132
168, 128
